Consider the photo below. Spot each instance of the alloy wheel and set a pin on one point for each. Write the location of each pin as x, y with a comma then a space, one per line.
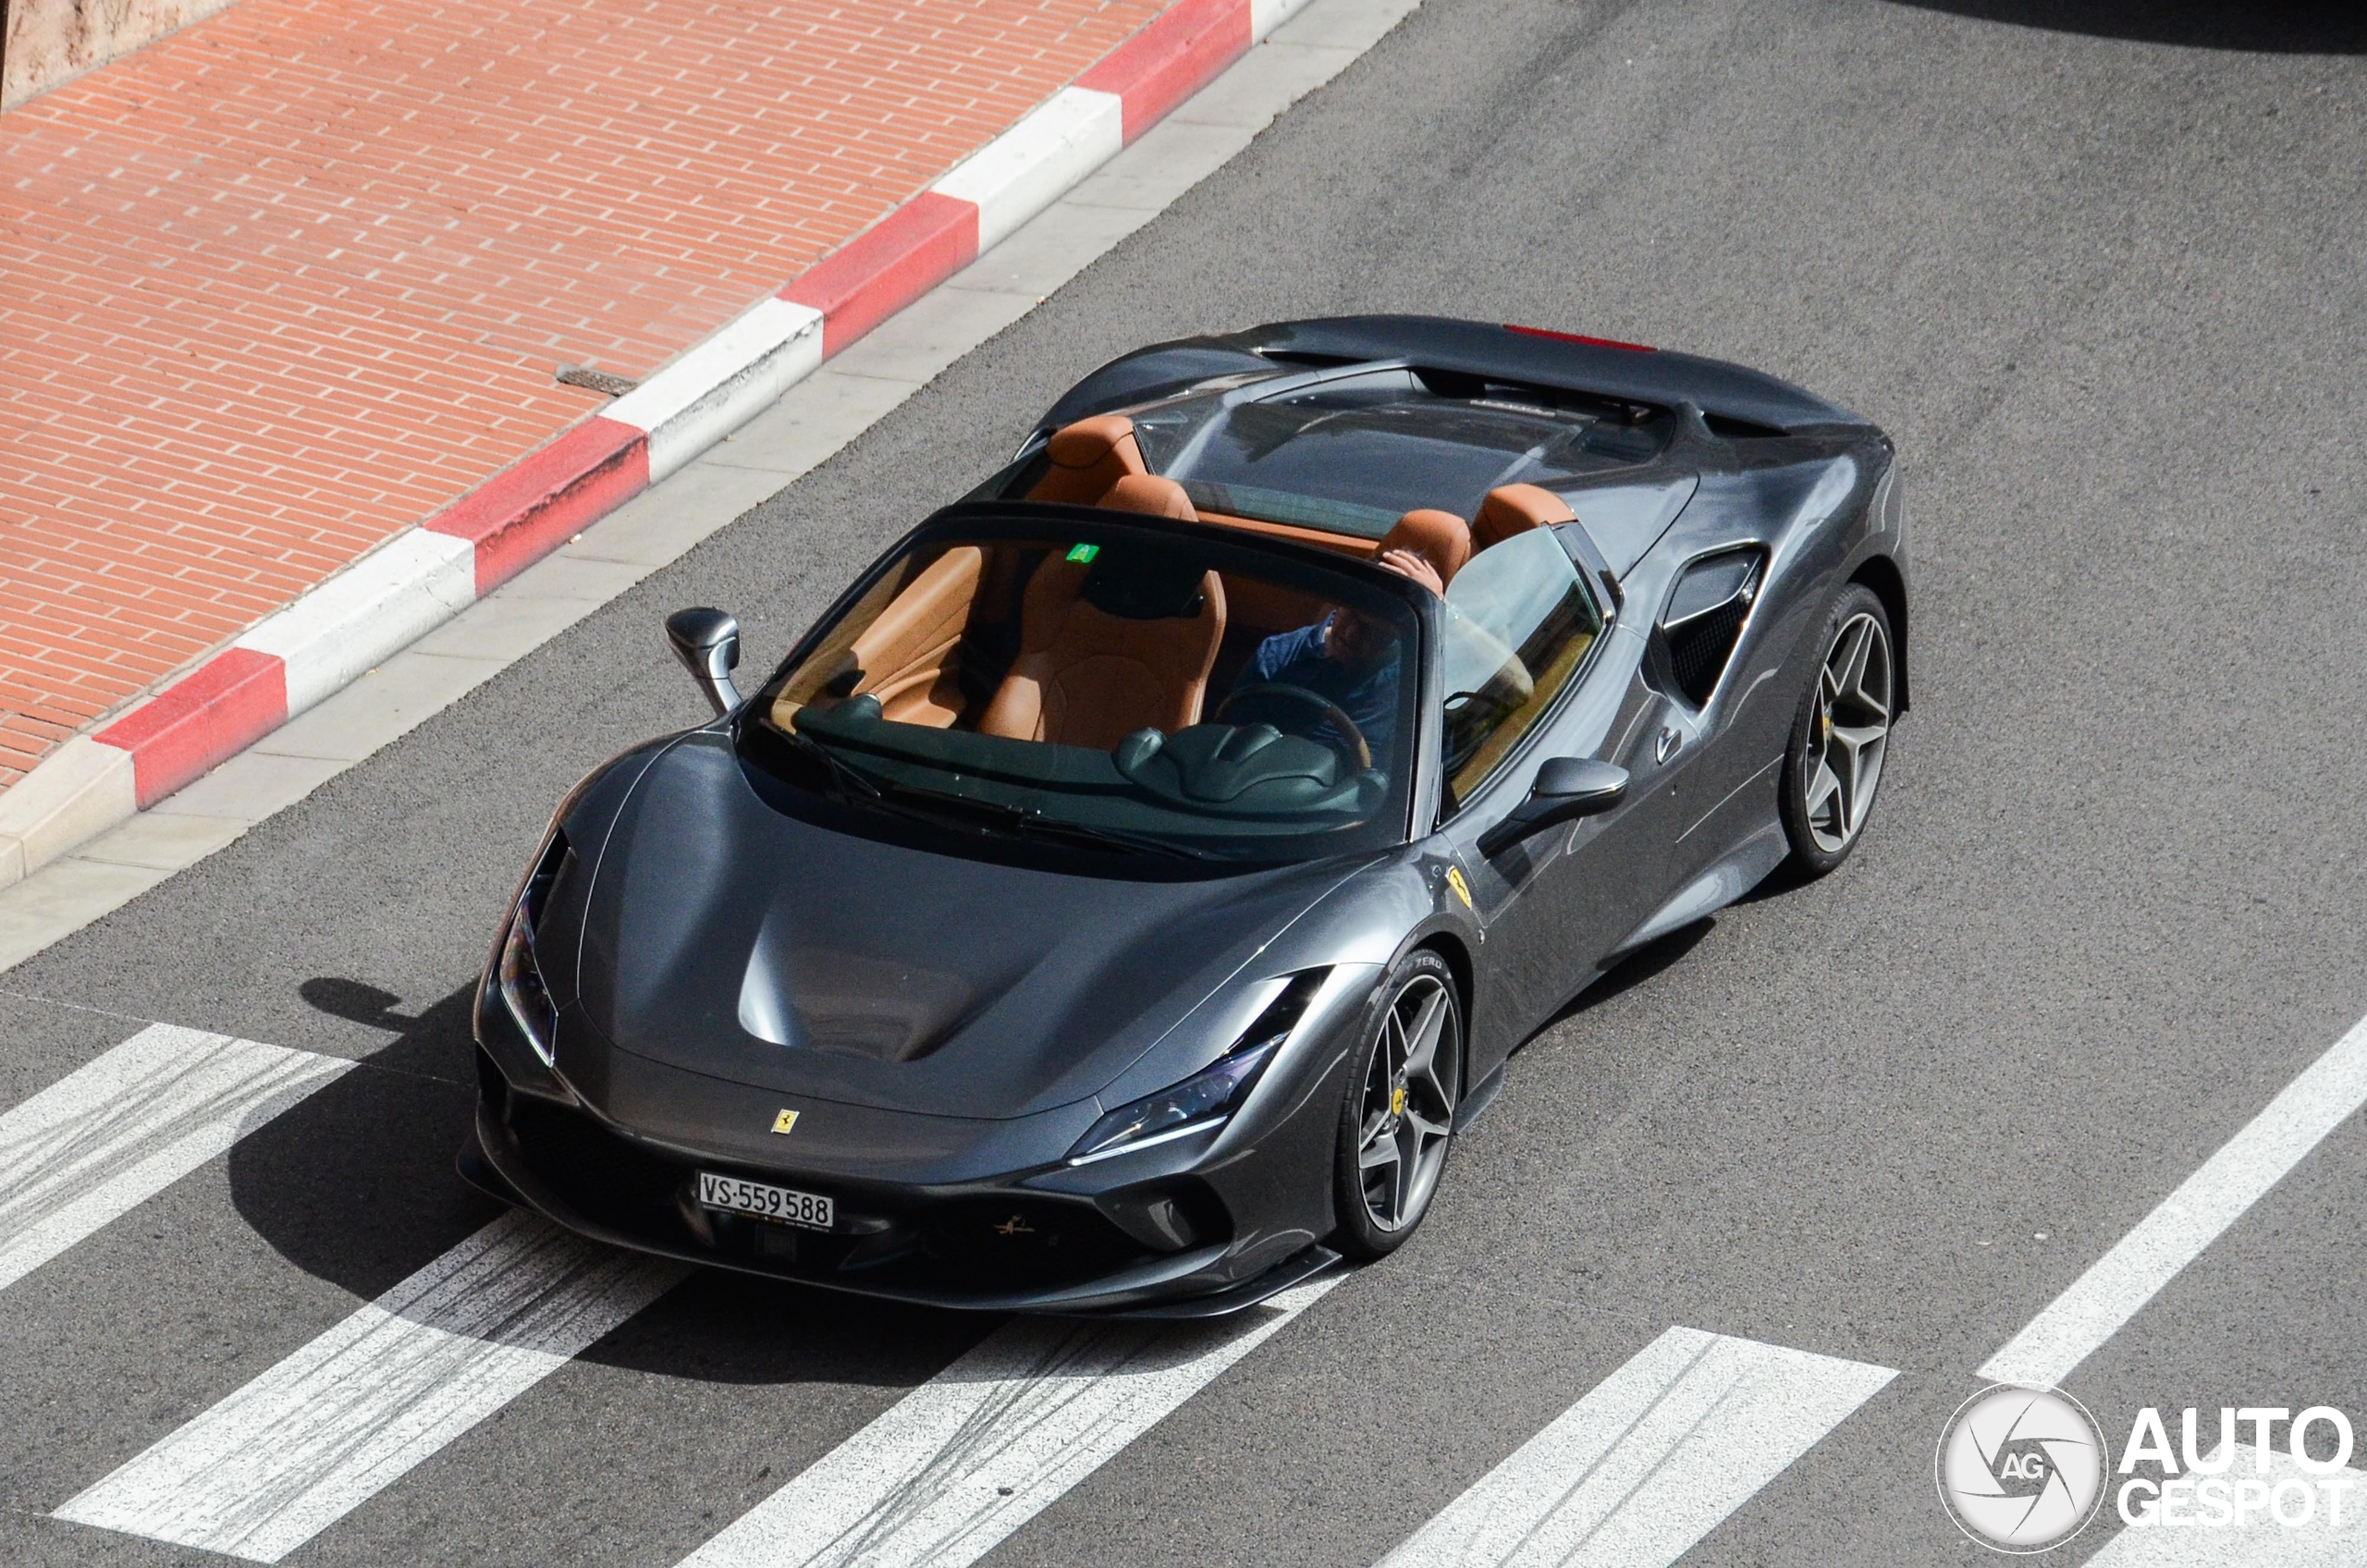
1407, 1109
1844, 761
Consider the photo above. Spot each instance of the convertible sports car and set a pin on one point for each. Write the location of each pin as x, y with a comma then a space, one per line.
1127, 892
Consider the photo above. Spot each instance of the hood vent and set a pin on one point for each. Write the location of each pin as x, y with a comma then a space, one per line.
851, 1003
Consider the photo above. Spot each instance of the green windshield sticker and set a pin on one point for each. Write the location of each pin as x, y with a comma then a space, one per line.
1084, 552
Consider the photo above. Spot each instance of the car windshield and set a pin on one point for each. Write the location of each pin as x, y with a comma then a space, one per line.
1355, 455
1140, 689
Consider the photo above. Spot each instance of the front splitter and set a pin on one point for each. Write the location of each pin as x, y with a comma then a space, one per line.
1137, 1293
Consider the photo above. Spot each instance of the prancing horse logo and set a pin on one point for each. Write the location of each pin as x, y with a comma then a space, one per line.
785, 1123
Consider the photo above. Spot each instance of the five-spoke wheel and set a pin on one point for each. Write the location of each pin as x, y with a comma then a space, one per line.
1400, 1111
1835, 762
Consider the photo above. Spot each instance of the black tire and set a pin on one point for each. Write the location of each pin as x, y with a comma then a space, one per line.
1410, 1105
1825, 820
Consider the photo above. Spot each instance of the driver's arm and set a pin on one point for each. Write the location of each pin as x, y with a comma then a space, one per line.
1278, 653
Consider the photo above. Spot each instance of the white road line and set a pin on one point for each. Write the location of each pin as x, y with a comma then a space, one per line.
2261, 1543
323, 1432
1650, 1459
122, 1128
2124, 1279
963, 1460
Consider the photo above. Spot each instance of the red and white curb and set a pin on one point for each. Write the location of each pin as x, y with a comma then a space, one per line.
426, 575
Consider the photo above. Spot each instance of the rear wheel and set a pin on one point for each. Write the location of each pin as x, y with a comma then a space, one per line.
1842, 734
1399, 1114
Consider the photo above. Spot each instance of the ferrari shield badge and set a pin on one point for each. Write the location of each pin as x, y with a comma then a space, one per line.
785, 1123
1461, 888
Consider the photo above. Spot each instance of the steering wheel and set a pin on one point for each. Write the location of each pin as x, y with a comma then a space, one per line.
1324, 706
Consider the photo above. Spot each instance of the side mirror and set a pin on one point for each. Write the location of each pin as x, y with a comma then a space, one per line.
707, 641
1566, 788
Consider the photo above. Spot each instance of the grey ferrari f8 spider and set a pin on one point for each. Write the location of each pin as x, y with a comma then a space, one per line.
1122, 896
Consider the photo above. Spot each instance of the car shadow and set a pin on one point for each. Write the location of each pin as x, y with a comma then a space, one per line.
1785, 878
2299, 27
354, 1183
1654, 956
434, 1041
355, 1186
722, 1327
1663, 952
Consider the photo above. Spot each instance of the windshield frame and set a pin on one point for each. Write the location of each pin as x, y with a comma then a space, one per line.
1025, 520
1603, 590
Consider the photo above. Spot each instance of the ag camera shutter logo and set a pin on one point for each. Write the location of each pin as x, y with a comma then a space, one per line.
2021, 1469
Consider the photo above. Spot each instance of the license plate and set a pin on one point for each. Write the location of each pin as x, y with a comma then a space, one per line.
736, 1196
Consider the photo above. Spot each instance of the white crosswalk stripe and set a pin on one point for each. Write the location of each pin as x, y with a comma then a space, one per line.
1650, 1459
313, 1438
2328, 1093
117, 1131
1633, 1475
948, 1473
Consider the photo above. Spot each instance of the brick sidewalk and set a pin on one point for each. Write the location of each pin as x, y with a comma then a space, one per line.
286, 282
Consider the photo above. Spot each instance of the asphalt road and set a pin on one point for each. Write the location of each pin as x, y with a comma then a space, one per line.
2102, 284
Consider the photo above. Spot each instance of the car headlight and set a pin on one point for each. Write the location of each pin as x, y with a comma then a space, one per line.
1209, 1098
1204, 1099
519, 977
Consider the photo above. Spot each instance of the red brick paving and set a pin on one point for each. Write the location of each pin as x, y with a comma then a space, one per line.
283, 284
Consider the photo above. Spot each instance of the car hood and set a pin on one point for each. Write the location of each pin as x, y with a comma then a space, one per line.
726, 936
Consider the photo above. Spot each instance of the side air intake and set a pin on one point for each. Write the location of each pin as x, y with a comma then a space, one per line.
1705, 618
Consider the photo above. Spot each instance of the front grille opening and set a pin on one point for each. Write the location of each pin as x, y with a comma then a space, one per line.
492, 1086
1010, 1243
978, 1245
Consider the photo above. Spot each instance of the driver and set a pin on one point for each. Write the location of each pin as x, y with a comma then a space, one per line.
1348, 659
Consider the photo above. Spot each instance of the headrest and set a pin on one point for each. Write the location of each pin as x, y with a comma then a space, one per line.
1516, 508
1440, 538
1154, 496
1086, 459
1133, 584
1087, 441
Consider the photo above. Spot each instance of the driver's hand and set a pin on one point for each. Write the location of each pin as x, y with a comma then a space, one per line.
1409, 563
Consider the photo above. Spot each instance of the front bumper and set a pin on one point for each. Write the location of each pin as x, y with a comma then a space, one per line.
1154, 1241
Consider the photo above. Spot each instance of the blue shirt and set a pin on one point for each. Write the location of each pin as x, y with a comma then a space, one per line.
1368, 696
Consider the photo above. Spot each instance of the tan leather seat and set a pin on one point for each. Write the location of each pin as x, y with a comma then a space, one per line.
909, 655
1088, 677
1088, 457
1516, 508
1440, 538
1154, 496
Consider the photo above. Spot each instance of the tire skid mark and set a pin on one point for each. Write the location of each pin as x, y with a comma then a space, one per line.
316, 1436
1570, 1492
1650, 1459
128, 1124
959, 1464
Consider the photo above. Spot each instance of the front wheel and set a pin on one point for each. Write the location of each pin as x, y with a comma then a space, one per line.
1399, 1114
1842, 734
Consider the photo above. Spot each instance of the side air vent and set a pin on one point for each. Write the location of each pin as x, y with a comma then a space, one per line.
1733, 429
1705, 618
1307, 360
